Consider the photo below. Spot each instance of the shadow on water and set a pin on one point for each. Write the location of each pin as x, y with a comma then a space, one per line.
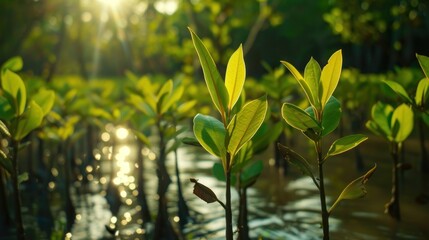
280, 207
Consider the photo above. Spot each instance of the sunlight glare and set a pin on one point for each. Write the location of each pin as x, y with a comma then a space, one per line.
166, 6
111, 3
122, 133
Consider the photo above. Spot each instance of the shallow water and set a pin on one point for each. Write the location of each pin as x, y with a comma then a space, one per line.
280, 207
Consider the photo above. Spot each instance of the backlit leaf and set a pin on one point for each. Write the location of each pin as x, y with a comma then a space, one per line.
356, 189
399, 90
45, 99
30, 120
14, 86
6, 111
424, 64
381, 115
214, 82
4, 130
14, 64
211, 134
235, 76
404, 118
245, 124
251, 173
312, 77
422, 93
173, 98
301, 82
330, 77
346, 143
298, 118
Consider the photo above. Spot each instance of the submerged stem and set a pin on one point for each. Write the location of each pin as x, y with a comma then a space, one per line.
228, 211
15, 182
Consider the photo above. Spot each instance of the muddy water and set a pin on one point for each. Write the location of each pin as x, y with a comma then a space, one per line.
280, 207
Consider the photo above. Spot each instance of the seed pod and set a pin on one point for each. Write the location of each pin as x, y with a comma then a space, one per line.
203, 192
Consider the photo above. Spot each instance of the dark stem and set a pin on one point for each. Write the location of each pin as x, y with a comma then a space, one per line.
392, 207
182, 206
228, 211
424, 164
325, 214
4, 217
141, 187
18, 217
243, 226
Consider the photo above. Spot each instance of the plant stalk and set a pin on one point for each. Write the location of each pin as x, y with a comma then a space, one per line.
392, 207
20, 234
228, 211
325, 213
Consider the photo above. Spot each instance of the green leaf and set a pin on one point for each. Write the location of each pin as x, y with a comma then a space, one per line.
245, 124
312, 77
402, 123
356, 189
399, 90
424, 64
45, 99
235, 76
422, 93
211, 134
331, 115
6, 111
191, 141
14, 86
345, 143
5, 162
301, 82
381, 116
215, 85
23, 177
30, 120
13, 64
330, 77
172, 99
4, 130
297, 160
251, 173
186, 108
298, 118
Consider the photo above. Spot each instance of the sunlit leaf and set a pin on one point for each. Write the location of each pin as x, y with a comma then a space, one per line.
301, 82
399, 90
402, 117
422, 93
214, 82
5, 162
297, 160
172, 99
424, 64
312, 77
14, 64
356, 189
211, 134
298, 118
245, 124
235, 76
45, 99
381, 116
4, 130
330, 77
30, 120
186, 108
14, 86
142, 137
346, 143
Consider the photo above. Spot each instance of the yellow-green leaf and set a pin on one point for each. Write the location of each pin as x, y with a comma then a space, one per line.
330, 77
346, 143
211, 134
45, 99
235, 76
312, 78
424, 64
14, 86
30, 120
422, 93
301, 81
298, 118
402, 123
214, 82
245, 124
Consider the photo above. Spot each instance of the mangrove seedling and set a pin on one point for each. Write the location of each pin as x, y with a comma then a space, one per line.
19, 118
395, 125
226, 137
317, 121
419, 104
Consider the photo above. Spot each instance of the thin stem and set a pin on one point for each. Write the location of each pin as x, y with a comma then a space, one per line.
325, 213
18, 217
228, 211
